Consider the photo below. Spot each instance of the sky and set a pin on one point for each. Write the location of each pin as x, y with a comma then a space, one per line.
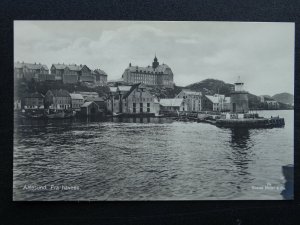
262, 54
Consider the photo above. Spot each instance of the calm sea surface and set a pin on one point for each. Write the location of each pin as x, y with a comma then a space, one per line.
149, 159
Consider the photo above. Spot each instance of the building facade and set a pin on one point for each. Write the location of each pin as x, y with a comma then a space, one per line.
29, 71
100, 77
58, 100
89, 109
218, 103
131, 99
192, 100
169, 105
151, 75
33, 101
72, 73
77, 101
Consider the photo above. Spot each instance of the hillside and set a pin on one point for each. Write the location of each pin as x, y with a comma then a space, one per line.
23, 87
211, 86
285, 98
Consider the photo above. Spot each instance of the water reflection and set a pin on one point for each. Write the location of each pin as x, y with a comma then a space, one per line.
241, 153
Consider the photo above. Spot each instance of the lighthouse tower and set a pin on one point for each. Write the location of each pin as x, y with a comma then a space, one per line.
239, 98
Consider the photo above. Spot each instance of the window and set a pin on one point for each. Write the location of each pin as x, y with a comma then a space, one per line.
148, 107
134, 107
141, 107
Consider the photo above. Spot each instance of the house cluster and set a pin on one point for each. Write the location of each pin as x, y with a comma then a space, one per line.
136, 99
84, 103
67, 74
269, 103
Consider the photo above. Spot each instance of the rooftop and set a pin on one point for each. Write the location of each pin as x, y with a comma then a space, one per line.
171, 102
76, 96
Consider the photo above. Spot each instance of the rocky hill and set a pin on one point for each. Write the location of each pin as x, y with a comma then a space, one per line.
211, 86
285, 98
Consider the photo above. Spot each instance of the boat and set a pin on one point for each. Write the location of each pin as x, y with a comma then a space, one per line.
60, 115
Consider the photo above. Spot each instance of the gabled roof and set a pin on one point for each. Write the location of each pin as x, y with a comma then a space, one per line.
86, 104
60, 93
59, 66
32, 66
100, 72
113, 89
213, 99
97, 99
72, 67
149, 69
76, 96
131, 90
124, 88
174, 102
189, 92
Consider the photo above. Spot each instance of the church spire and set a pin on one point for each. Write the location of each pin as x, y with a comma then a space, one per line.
155, 62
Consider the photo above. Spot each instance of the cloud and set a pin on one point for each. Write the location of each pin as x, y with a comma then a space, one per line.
261, 53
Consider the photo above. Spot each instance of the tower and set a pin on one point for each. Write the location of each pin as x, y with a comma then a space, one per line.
155, 63
239, 98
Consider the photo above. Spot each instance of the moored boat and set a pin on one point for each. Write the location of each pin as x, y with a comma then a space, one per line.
60, 115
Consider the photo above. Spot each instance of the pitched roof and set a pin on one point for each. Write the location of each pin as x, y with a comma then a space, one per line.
72, 67
149, 69
113, 89
175, 102
131, 90
97, 99
32, 66
124, 88
189, 92
59, 66
213, 99
60, 93
76, 96
86, 104
100, 72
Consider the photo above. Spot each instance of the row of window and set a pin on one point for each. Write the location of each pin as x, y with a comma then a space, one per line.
141, 107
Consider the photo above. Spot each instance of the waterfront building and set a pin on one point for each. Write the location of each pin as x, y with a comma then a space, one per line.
89, 109
239, 98
100, 77
77, 101
192, 100
99, 101
58, 99
29, 71
157, 75
219, 103
131, 99
271, 104
168, 105
33, 101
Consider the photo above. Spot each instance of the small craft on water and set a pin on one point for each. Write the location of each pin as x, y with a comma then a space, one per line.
59, 114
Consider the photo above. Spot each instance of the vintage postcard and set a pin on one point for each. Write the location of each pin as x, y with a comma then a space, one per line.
153, 110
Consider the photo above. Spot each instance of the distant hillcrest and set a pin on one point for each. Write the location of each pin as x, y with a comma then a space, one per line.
211, 86
285, 98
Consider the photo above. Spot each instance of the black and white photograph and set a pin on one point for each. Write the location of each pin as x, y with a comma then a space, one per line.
153, 110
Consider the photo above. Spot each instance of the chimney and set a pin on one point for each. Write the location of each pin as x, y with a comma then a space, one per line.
129, 64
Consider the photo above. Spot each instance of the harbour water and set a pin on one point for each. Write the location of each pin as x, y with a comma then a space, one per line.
149, 159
